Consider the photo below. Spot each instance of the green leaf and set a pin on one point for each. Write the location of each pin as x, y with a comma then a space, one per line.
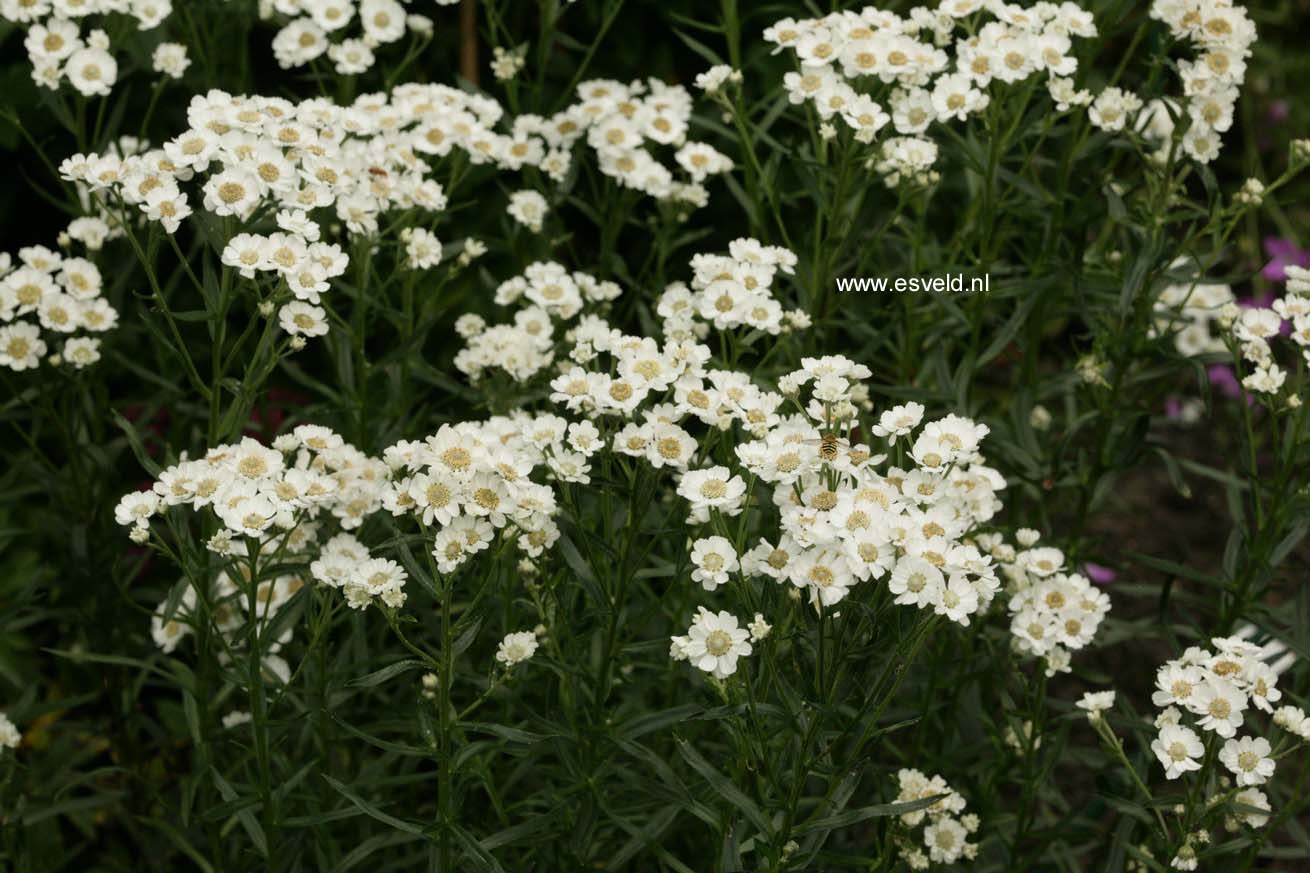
245, 816
864, 813
377, 677
372, 811
725, 787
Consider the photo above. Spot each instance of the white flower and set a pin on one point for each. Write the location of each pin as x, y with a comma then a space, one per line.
898, 421
1168, 716
715, 642
516, 648
9, 735
236, 718
958, 599
92, 71
383, 20
1175, 683
136, 508
170, 59
1293, 720
351, 56
232, 192
945, 839
954, 97
303, 319
759, 628
714, 78
528, 208
1261, 685
1248, 760
916, 582
715, 561
1095, 703
1177, 748
1220, 706
1112, 109
423, 250
1255, 798
701, 161
714, 488
21, 346
52, 41
299, 43
82, 351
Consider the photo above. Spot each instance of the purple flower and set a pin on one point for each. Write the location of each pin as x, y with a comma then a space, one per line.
1282, 253
1223, 378
1279, 111
1099, 574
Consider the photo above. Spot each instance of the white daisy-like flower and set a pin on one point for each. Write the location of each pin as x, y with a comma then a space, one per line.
516, 648
715, 561
1096, 702
714, 642
1178, 749
1248, 760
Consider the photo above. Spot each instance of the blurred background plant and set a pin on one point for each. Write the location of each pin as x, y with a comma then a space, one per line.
1136, 458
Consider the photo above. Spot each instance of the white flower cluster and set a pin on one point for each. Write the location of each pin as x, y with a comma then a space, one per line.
294, 256
1222, 33
729, 291
945, 836
251, 156
471, 481
56, 46
280, 499
46, 296
423, 250
1114, 107
872, 67
314, 23
907, 160
264, 492
1254, 329
613, 375
846, 517
1216, 690
548, 294
626, 125
344, 563
712, 80
251, 152
1190, 311
508, 63
1053, 612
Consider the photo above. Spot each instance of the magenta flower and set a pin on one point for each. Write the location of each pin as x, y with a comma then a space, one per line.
1099, 574
1282, 253
1223, 378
